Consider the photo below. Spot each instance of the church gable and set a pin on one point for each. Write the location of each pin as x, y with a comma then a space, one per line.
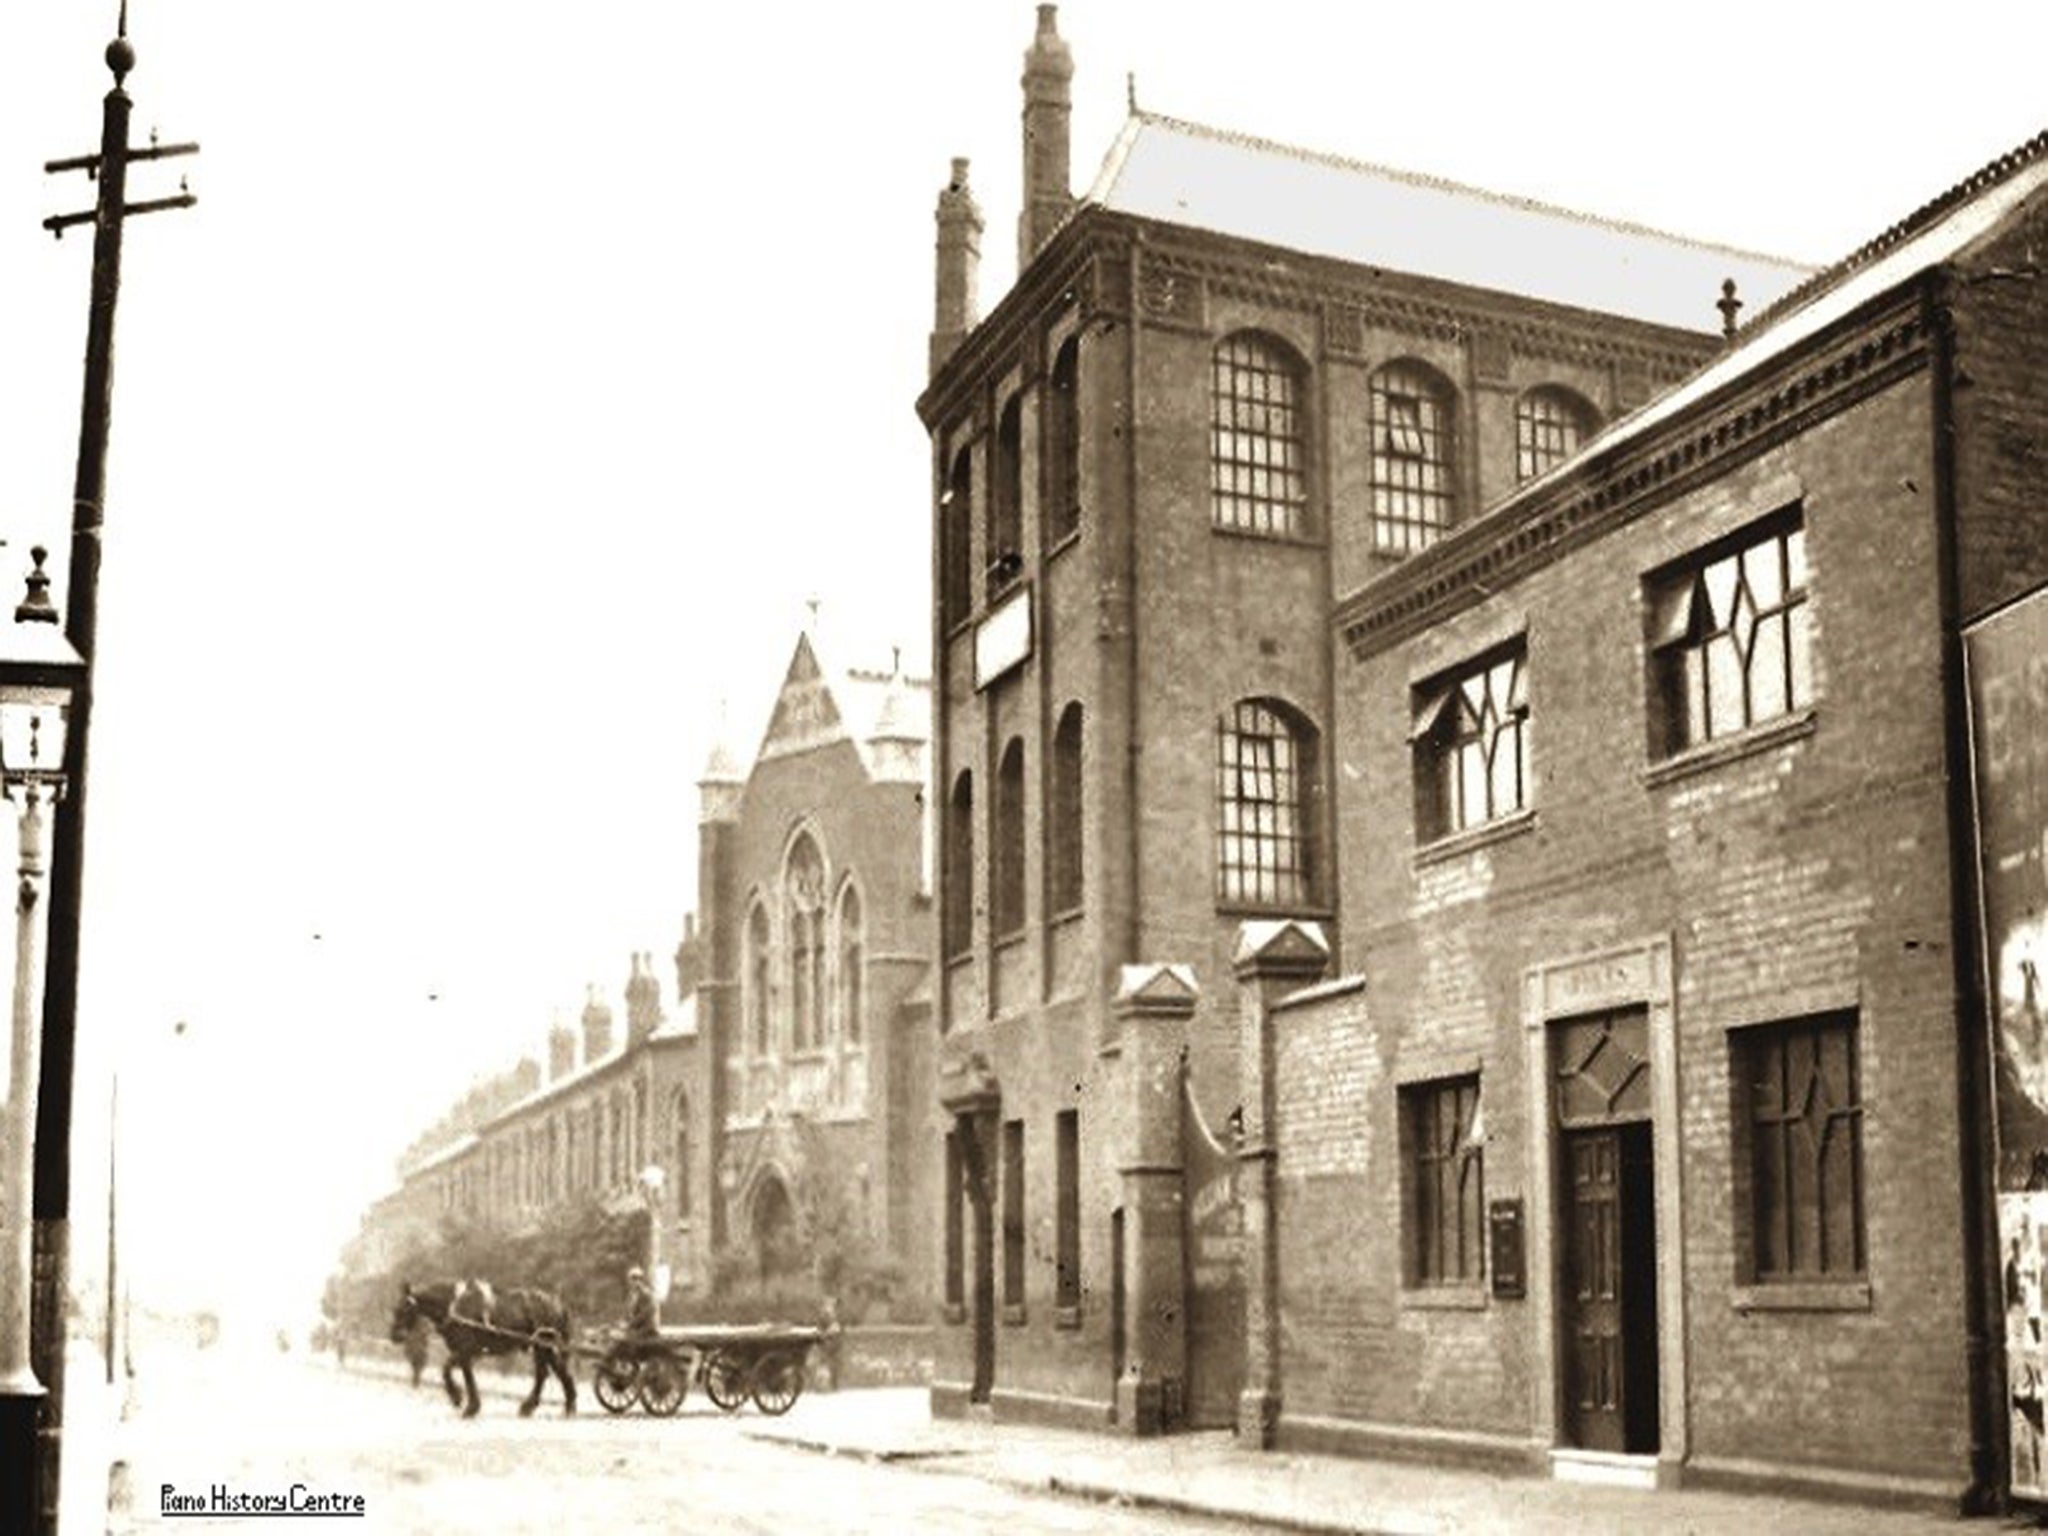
806, 715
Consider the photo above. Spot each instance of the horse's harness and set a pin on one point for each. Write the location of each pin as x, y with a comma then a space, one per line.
480, 1321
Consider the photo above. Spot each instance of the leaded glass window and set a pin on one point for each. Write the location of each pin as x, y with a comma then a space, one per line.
1445, 1168
1472, 746
1801, 1106
1732, 638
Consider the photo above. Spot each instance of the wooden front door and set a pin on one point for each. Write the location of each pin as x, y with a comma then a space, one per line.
1610, 1289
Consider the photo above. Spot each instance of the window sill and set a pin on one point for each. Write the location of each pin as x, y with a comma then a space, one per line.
1068, 1318
953, 1312
1498, 830
1463, 1297
1065, 541
961, 961
1804, 1296
1306, 912
1009, 940
1728, 749
1013, 1314
1262, 536
1066, 918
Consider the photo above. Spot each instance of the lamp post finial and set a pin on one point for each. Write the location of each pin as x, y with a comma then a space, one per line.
36, 607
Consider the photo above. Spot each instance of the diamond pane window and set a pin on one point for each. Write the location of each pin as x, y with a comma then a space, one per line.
1732, 646
1472, 746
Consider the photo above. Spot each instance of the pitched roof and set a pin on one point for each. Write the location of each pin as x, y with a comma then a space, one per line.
820, 704
1939, 231
1183, 173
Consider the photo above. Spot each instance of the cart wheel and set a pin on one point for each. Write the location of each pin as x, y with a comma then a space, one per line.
662, 1385
616, 1382
778, 1381
725, 1380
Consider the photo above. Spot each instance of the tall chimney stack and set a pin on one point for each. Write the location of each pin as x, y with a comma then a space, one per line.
959, 266
1048, 104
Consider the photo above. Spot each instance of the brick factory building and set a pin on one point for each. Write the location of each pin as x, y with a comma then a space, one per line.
1497, 987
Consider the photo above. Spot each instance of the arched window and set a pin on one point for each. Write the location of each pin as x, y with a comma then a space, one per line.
1413, 490
1063, 444
1265, 765
1550, 423
956, 538
759, 979
1063, 816
958, 896
1006, 500
1006, 844
1258, 462
803, 898
852, 966
682, 1168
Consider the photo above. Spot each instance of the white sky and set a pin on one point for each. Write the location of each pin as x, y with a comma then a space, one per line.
523, 370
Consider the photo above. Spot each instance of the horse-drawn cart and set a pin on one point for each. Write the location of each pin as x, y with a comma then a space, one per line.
732, 1362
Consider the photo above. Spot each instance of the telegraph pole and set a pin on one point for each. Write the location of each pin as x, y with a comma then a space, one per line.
52, 1209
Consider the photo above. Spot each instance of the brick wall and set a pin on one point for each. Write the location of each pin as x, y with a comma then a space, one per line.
1808, 873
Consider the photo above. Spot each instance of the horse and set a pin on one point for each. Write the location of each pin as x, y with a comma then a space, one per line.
475, 1319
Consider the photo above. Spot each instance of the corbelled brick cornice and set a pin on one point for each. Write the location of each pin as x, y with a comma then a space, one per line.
1868, 350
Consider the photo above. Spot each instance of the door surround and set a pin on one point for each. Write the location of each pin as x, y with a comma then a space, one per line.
1638, 974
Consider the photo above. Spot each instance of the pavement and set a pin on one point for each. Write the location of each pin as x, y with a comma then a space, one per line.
1199, 1474
1209, 1474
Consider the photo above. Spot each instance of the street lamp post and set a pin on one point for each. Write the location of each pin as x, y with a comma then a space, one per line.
39, 677
652, 1178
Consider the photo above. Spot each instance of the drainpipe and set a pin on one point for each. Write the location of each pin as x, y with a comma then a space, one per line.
1984, 1363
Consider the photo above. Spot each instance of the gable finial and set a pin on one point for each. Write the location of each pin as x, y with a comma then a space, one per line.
1130, 90
1730, 306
